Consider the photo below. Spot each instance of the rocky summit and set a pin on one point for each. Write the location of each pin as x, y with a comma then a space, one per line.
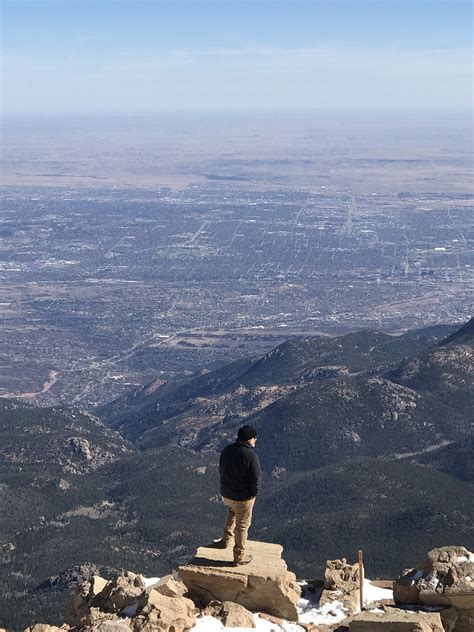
209, 593
445, 578
127, 604
265, 584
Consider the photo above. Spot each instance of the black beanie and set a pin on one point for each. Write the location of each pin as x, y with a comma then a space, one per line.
246, 432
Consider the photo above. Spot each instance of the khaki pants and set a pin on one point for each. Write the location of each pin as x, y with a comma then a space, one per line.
239, 518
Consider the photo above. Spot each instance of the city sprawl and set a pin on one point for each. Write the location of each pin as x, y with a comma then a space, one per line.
107, 284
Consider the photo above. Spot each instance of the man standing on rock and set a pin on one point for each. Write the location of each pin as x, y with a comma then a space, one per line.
240, 476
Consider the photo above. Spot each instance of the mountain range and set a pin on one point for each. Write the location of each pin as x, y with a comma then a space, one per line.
365, 440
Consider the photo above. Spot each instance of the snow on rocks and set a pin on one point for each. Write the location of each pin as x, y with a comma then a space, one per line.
374, 594
212, 624
444, 578
150, 581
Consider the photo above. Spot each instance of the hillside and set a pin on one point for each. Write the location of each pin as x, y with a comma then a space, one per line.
455, 459
248, 386
361, 455
462, 336
390, 509
446, 372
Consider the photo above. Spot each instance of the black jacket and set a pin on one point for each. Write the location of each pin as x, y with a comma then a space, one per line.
240, 471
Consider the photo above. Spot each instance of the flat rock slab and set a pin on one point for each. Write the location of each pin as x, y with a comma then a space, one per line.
396, 621
263, 585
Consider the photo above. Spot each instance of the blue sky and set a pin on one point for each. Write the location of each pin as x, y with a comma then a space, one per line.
229, 54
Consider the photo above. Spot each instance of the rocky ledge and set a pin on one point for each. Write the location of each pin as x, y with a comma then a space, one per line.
445, 578
128, 604
209, 593
264, 585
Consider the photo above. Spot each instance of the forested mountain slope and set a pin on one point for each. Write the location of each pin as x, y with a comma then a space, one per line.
372, 450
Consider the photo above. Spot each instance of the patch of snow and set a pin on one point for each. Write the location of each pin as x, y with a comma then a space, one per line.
377, 610
374, 593
207, 624
211, 624
461, 558
332, 612
290, 627
263, 625
150, 581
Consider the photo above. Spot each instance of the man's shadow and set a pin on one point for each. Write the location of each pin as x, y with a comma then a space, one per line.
204, 561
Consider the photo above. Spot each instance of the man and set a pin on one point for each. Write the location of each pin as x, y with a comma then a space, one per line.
240, 476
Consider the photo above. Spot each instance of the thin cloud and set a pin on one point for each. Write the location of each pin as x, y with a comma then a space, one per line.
251, 77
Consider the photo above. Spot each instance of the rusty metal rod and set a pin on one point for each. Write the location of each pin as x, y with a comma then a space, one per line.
360, 557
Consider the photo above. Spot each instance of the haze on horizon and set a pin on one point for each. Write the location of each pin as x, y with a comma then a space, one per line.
117, 55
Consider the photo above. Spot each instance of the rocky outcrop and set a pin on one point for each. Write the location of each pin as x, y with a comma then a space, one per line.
263, 585
393, 620
72, 577
341, 583
83, 598
125, 604
120, 593
86, 455
444, 578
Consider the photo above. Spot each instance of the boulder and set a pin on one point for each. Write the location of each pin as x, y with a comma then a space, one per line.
232, 615
98, 620
444, 578
339, 575
341, 583
263, 585
165, 612
394, 620
119, 593
170, 587
82, 598
95, 600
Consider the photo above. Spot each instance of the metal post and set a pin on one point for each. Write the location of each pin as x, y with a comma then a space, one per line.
360, 557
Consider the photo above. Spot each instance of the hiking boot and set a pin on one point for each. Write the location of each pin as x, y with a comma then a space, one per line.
244, 560
221, 544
